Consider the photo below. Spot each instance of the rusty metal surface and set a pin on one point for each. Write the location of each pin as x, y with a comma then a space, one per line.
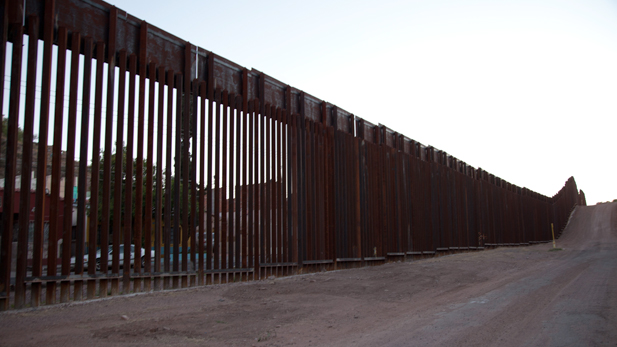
224, 173
119, 167
39, 224
26, 163
96, 186
81, 194
128, 182
70, 164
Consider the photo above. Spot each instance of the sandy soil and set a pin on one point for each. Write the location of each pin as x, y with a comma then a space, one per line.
503, 297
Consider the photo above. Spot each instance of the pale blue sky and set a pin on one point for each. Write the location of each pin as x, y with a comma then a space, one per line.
524, 89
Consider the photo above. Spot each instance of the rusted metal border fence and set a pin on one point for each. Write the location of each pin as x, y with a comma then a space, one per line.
215, 172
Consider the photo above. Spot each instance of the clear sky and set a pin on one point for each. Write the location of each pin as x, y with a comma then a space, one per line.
527, 90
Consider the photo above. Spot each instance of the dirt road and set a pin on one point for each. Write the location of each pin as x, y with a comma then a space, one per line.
503, 297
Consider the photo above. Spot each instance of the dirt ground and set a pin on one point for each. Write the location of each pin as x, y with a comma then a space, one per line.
505, 297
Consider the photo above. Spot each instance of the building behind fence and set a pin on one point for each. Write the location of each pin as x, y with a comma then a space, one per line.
222, 173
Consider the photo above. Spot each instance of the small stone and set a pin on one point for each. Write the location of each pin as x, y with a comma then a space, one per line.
124, 317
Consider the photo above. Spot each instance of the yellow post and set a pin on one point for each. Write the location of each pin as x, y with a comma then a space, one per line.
553, 231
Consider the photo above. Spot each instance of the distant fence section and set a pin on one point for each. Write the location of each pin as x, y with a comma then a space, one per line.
153, 164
